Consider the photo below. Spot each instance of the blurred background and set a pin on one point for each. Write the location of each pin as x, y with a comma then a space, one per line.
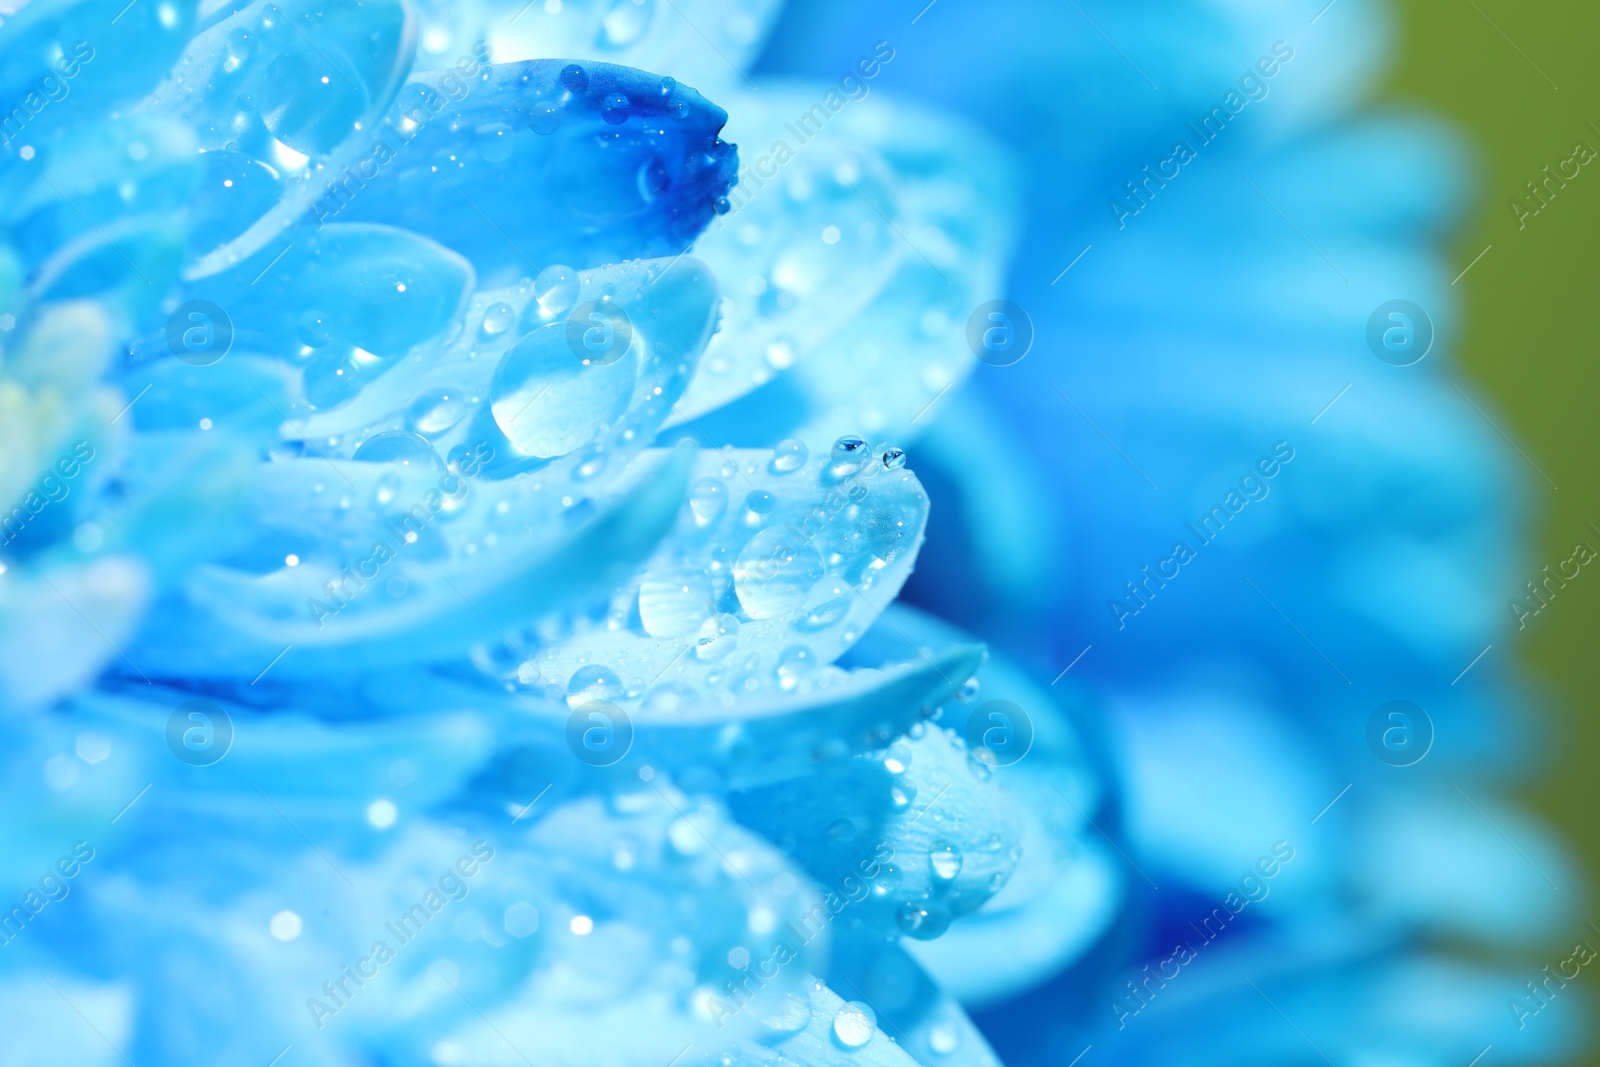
1523, 83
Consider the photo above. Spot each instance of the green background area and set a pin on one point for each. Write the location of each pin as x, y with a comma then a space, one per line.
1532, 339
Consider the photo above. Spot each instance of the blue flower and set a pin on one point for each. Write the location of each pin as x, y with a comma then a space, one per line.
461, 500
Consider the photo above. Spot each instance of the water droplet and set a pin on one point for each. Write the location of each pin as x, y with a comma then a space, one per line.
399, 446
841, 831
387, 489
547, 402
894, 458
849, 455
497, 318
673, 602
827, 602
436, 411
790, 455
495, 142
718, 636
945, 861
574, 79
594, 682
791, 1016
614, 109
329, 380
556, 290
943, 1038
849, 447
313, 328
888, 880
708, 499
774, 573
758, 504
969, 689
898, 758
901, 794
794, 663
780, 352
853, 1026
923, 921
242, 45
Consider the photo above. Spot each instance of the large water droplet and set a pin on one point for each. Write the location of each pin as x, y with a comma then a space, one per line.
674, 602
775, 572
497, 318
945, 861
594, 682
791, 1016
556, 290
399, 446
312, 328
853, 1026
718, 636
790, 455
495, 142
436, 410
547, 402
708, 499
924, 921
826, 603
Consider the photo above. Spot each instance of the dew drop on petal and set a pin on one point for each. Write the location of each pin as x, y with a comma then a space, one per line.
945, 861
591, 683
399, 446
775, 572
436, 411
673, 602
497, 319
854, 1024
718, 636
790, 455
708, 499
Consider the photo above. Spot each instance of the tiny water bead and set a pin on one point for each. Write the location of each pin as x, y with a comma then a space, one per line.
894, 458
854, 1024
790, 455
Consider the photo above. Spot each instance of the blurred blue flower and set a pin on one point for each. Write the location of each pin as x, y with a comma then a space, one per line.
459, 502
